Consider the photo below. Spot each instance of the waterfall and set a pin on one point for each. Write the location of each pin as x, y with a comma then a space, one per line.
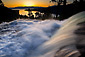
48, 38
64, 40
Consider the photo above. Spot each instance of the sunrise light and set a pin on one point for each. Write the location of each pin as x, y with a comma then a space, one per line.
29, 4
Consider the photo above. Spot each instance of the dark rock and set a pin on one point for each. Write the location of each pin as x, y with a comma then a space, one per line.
7, 14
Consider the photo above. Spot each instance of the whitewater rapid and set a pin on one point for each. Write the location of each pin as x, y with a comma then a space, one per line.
19, 37
48, 38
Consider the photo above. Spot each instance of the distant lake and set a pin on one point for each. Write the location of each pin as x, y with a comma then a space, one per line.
23, 12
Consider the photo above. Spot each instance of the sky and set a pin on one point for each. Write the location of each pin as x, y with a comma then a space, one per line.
15, 3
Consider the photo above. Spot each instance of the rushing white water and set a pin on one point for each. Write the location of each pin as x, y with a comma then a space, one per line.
63, 40
34, 38
18, 38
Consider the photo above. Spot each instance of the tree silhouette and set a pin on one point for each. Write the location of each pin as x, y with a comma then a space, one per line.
53, 1
81, 0
1, 3
57, 1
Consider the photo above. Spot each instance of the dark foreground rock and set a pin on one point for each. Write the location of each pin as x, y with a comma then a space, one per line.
7, 14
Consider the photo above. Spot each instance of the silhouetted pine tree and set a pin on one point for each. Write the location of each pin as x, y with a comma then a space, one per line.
1, 3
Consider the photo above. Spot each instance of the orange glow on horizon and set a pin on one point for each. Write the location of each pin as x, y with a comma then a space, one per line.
27, 3
17, 3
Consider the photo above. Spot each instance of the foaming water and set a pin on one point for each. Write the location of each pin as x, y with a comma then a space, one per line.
34, 38
63, 43
20, 37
